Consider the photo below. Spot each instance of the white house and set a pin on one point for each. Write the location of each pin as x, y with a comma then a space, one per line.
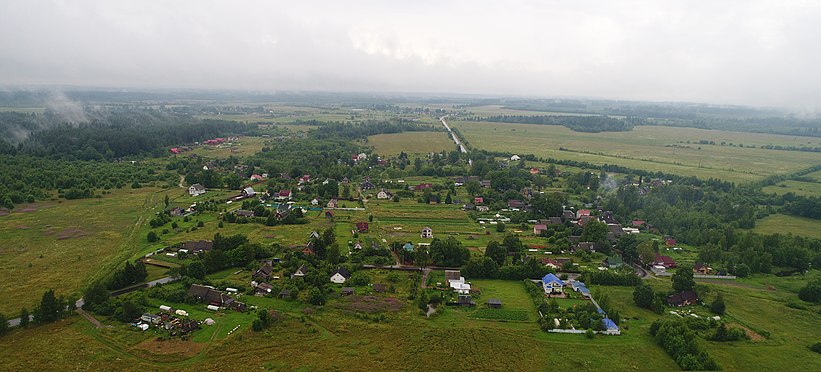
357, 246
427, 232
314, 201
384, 194
196, 189
300, 272
459, 285
333, 203
340, 276
515, 158
552, 284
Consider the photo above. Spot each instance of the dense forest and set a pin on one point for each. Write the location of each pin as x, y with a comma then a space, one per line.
114, 135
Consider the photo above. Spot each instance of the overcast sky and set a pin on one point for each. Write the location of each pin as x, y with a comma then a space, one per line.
739, 52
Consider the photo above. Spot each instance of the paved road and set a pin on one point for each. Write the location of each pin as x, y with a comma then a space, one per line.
455, 138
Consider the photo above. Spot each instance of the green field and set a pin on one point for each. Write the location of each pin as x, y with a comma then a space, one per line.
799, 188
648, 147
783, 224
411, 143
64, 244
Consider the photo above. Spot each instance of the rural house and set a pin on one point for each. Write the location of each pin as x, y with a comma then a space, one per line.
539, 229
340, 276
683, 299
264, 272
494, 303
300, 272
196, 189
665, 261
362, 227
552, 284
333, 203
613, 262
701, 268
198, 246
427, 232
384, 194
284, 195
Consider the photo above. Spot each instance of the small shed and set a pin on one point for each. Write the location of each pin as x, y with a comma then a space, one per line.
379, 288
494, 303
347, 291
285, 293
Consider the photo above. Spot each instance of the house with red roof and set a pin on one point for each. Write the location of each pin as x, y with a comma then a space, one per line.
284, 195
665, 261
478, 200
362, 227
539, 228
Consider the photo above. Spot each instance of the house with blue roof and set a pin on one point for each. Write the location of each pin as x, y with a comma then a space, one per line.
552, 284
581, 288
408, 247
611, 327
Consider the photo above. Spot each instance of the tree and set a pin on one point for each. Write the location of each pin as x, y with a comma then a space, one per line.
811, 292
332, 253
717, 306
741, 270
628, 245
25, 317
643, 296
594, 231
51, 308
496, 252
683, 279
646, 252
152, 237
500, 227
473, 187
166, 201
95, 295
359, 278
448, 199
316, 297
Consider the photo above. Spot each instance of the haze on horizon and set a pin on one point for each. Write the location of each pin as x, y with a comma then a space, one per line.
760, 53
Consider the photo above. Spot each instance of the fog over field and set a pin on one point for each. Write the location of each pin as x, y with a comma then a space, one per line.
736, 52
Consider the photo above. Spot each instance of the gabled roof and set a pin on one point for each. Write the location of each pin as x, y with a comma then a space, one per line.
609, 324
198, 187
344, 272
249, 191
285, 192
551, 278
302, 269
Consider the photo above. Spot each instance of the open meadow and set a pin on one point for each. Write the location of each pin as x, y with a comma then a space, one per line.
784, 224
411, 143
65, 244
649, 147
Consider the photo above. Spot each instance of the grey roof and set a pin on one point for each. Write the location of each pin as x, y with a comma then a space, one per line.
494, 301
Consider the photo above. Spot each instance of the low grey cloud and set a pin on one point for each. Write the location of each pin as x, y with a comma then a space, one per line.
738, 52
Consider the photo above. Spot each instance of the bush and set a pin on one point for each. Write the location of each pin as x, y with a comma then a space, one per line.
717, 306
152, 237
816, 347
811, 292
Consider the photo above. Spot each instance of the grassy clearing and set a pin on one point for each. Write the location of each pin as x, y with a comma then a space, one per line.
64, 244
411, 143
783, 224
244, 146
649, 147
797, 187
